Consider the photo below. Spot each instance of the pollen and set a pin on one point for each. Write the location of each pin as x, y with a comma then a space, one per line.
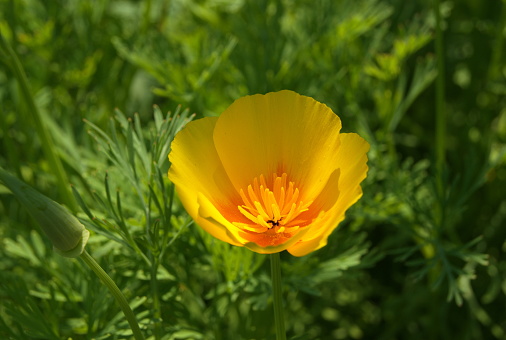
272, 206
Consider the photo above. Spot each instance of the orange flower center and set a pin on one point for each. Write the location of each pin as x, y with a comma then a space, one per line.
272, 209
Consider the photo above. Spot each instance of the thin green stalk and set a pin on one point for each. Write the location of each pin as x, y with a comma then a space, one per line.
279, 319
155, 291
146, 15
494, 68
440, 142
48, 146
113, 288
440, 102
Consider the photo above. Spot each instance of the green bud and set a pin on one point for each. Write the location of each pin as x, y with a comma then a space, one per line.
67, 234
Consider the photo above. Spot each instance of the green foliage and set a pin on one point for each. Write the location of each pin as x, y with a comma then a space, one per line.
410, 261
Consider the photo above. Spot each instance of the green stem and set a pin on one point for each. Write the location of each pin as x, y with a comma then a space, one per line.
155, 291
146, 14
113, 288
494, 68
440, 102
440, 147
279, 319
48, 146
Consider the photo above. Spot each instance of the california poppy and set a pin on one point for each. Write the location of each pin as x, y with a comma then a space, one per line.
273, 172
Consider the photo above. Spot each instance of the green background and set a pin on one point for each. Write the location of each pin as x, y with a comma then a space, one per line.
420, 256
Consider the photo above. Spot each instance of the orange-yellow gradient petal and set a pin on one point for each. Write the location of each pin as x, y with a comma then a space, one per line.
272, 173
280, 132
352, 160
201, 183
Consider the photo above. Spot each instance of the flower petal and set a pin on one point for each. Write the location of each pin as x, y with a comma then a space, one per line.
280, 132
201, 182
211, 220
352, 160
278, 248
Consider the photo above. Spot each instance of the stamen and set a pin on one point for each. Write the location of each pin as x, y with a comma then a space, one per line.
272, 210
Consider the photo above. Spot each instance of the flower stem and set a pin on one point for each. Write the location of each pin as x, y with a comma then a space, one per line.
157, 313
113, 288
440, 101
279, 319
48, 146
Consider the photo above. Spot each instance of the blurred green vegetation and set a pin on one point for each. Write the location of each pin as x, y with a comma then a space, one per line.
409, 262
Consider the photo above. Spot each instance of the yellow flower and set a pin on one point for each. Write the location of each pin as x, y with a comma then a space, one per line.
273, 172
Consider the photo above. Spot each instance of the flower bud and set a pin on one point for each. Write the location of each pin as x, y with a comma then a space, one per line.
64, 230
